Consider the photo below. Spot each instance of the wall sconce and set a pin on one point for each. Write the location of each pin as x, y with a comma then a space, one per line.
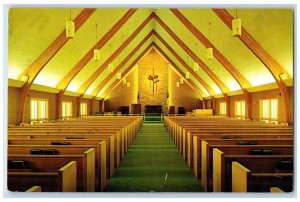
177, 84
181, 80
128, 84
124, 81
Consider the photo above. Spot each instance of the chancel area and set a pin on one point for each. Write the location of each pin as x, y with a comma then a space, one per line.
150, 100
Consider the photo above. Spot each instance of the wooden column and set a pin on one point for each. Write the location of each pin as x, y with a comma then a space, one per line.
204, 103
214, 105
100, 105
92, 111
59, 98
79, 101
248, 104
227, 100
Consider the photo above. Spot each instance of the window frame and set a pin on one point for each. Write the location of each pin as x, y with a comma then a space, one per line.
40, 112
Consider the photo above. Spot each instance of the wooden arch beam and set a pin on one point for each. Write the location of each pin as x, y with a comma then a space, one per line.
190, 82
114, 84
270, 63
33, 70
131, 54
89, 55
102, 67
244, 83
210, 73
197, 77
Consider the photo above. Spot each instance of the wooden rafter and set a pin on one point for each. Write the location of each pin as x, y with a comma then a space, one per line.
243, 82
270, 63
189, 82
131, 54
197, 77
102, 67
115, 83
89, 55
210, 73
33, 70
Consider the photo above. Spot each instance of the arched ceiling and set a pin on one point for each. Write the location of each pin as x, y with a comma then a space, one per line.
124, 35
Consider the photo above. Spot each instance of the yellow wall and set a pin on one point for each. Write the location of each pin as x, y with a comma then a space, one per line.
122, 95
183, 96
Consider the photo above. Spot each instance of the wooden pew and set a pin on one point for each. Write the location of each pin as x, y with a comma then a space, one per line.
85, 166
63, 180
34, 189
244, 180
197, 147
207, 156
100, 156
276, 190
109, 158
222, 179
199, 136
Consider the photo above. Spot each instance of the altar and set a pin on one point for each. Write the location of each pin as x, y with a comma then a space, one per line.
157, 109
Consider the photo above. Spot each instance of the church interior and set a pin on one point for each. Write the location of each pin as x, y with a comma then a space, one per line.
150, 100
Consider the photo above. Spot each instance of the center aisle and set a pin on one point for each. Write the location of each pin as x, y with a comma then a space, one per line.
153, 164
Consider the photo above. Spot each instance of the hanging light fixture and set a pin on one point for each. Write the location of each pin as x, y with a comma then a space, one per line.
187, 75
70, 28
110, 65
177, 84
128, 84
209, 50
196, 65
181, 80
119, 75
124, 81
236, 26
96, 51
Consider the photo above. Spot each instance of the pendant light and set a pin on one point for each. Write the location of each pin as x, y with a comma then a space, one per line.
96, 51
181, 80
110, 65
209, 50
70, 28
196, 65
236, 26
124, 81
128, 84
187, 75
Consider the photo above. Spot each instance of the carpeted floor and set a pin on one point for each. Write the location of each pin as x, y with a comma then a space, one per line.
153, 164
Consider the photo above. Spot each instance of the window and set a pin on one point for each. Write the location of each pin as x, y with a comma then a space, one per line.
240, 109
223, 108
38, 109
83, 109
66, 111
269, 110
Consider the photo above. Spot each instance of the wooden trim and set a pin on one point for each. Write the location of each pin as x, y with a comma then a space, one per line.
94, 76
197, 77
63, 84
270, 63
243, 82
205, 68
113, 85
111, 75
189, 82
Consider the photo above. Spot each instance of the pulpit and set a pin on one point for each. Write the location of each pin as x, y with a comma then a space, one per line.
155, 109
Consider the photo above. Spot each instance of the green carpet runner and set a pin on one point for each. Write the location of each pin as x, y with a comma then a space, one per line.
153, 164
